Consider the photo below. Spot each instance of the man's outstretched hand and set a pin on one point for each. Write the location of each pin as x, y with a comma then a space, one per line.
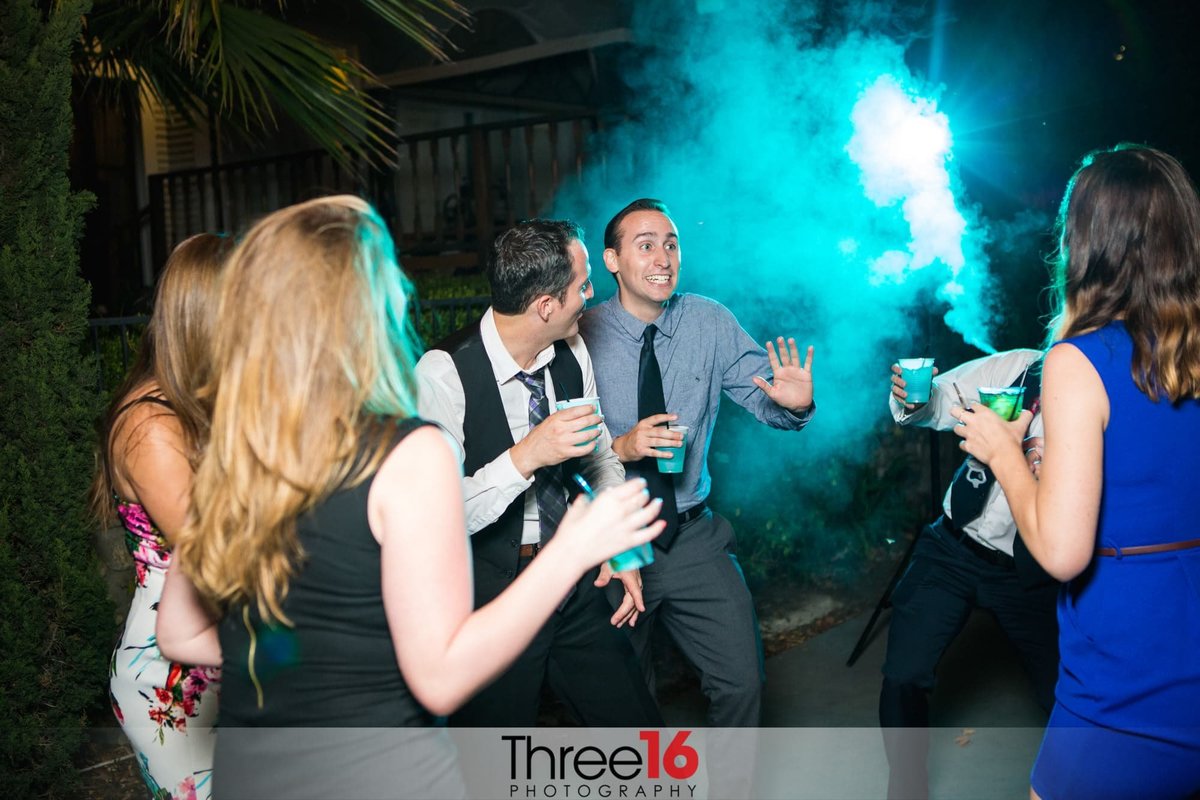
793, 386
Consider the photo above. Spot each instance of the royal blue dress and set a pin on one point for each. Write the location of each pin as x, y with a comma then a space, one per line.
1127, 717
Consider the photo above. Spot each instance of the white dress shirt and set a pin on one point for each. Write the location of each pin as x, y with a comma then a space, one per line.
496, 484
994, 527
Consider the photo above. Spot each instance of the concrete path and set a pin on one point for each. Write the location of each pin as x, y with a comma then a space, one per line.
820, 736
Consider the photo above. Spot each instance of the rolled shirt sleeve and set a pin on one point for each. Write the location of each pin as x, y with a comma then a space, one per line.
744, 359
492, 488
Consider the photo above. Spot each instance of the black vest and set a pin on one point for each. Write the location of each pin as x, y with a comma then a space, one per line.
495, 549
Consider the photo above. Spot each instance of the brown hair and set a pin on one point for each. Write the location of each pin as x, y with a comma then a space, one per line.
531, 259
612, 231
1129, 249
313, 363
173, 355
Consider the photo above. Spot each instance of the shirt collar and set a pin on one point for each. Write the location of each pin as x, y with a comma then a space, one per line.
667, 321
504, 367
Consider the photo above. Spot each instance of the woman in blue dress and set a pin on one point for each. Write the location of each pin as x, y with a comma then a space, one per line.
1116, 511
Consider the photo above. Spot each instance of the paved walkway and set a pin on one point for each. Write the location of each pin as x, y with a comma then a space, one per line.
821, 738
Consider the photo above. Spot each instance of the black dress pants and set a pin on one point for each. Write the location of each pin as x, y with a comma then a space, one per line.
930, 606
589, 664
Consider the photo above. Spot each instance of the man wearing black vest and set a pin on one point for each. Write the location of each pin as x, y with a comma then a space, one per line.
493, 386
969, 557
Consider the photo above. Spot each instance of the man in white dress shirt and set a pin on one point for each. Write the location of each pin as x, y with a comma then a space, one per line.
493, 386
963, 560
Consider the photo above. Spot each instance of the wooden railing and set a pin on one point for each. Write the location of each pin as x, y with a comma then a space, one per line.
431, 199
114, 339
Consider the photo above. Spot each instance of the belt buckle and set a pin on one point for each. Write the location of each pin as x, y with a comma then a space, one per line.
692, 513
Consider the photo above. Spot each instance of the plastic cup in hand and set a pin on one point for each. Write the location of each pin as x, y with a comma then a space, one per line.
633, 558
582, 401
674, 464
917, 374
1006, 401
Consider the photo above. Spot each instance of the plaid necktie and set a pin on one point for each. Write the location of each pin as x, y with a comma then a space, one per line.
547, 481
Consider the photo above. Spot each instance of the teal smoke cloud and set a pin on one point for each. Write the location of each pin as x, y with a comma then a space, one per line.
813, 179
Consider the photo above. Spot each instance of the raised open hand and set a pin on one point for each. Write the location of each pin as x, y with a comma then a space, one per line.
793, 386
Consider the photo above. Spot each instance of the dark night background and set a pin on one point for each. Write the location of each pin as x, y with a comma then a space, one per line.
1033, 85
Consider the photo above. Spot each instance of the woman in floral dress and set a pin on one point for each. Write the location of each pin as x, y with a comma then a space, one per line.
152, 433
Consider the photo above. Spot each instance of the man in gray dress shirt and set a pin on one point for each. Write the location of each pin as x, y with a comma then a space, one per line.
695, 585
963, 560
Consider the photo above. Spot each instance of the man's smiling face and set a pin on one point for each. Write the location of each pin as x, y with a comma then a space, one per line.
647, 262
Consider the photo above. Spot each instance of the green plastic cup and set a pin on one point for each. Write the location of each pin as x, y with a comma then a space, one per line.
674, 464
1006, 401
917, 374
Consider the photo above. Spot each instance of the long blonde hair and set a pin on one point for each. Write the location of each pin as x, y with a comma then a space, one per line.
173, 354
313, 363
1129, 228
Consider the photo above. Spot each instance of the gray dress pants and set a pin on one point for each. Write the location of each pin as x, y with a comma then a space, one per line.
697, 591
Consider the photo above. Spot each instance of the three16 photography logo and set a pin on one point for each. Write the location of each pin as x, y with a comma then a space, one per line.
610, 764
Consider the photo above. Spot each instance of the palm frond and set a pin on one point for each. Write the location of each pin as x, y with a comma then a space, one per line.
422, 21
255, 64
244, 64
124, 43
417, 19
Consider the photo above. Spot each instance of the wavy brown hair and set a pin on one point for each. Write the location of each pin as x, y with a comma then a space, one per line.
173, 355
313, 364
1129, 249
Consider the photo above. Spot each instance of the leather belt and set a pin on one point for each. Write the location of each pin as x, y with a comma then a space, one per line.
529, 550
994, 557
695, 512
1144, 549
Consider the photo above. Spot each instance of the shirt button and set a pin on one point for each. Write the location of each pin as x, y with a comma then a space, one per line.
512, 542
508, 573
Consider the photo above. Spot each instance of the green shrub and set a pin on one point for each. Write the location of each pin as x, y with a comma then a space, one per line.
57, 621
448, 302
822, 523
434, 285
115, 359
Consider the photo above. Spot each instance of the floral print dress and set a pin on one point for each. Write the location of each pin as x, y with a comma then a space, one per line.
167, 710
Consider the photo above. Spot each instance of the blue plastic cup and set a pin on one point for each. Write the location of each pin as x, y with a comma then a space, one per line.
633, 558
582, 401
917, 374
674, 464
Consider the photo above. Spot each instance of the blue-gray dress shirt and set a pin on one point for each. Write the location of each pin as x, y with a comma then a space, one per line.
702, 351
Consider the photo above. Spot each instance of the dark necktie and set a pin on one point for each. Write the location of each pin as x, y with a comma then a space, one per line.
652, 401
969, 491
973, 480
548, 484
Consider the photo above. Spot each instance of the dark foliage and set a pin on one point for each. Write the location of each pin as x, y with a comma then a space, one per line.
57, 621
